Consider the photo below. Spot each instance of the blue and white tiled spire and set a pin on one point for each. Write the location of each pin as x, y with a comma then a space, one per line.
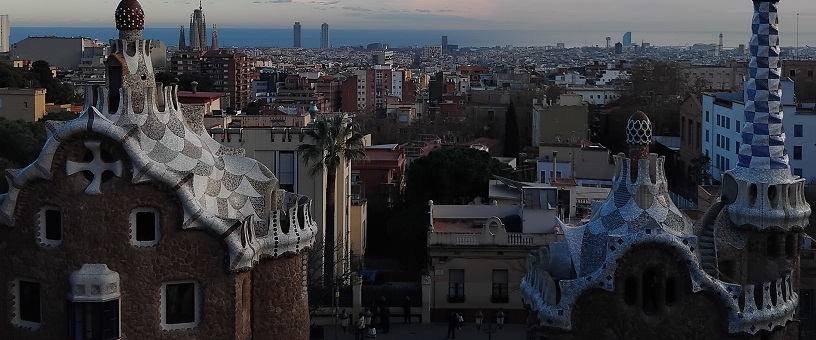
763, 139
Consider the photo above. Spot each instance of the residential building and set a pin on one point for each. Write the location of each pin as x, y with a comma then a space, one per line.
691, 122
276, 148
324, 36
186, 61
477, 252
728, 77
141, 238
381, 178
62, 53
589, 164
368, 90
641, 269
431, 52
596, 95
802, 73
382, 57
564, 122
198, 30
5, 33
230, 74
723, 121
296, 29
304, 90
26, 104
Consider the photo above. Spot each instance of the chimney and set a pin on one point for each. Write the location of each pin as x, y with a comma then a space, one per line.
194, 86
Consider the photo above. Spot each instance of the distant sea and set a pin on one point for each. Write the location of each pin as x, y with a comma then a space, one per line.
279, 37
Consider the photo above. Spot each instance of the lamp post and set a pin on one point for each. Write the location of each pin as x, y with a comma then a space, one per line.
489, 328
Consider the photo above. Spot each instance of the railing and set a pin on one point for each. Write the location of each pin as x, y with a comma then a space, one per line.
475, 239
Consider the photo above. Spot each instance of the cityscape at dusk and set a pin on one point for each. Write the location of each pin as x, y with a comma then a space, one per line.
354, 169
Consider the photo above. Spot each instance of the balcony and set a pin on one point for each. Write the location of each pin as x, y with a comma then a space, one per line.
481, 239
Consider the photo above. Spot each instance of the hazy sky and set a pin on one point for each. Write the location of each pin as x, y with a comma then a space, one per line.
580, 15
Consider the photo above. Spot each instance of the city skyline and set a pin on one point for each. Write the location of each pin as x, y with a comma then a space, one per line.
623, 15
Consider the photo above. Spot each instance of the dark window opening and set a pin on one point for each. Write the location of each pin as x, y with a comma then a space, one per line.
671, 291
773, 294
115, 83
805, 303
456, 285
651, 291
790, 245
500, 292
758, 300
285, 221
53, 225
772, 246
179, 303
29, 301
145, 226
630, 291
93, 320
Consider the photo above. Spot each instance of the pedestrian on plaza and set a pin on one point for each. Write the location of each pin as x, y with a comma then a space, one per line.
361, 328
406, 310
385, 317
453, 323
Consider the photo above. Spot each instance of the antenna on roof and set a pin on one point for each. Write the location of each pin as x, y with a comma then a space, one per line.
199, 5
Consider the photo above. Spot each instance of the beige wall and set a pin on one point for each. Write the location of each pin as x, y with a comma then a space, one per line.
478, 266
359, 222
567, 122
587, 163
25, 104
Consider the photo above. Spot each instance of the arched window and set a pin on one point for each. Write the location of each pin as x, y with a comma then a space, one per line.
790, 245
651, 299
671, 291
115, 83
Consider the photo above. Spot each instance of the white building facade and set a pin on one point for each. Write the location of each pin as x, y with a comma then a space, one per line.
723, 115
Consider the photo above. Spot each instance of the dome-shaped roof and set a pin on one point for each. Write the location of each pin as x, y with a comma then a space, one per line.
639, 129
129, 16
314, 109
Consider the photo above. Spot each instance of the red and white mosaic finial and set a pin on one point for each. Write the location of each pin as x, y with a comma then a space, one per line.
129, 16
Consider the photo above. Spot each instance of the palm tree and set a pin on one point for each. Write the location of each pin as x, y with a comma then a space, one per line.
335, 143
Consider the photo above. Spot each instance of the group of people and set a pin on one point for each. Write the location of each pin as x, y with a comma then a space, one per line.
382, 313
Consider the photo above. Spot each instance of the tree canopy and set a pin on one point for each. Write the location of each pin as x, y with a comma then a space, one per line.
451, 176
511, 132
39, 76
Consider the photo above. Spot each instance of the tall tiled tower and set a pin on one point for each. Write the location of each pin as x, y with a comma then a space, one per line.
640, 270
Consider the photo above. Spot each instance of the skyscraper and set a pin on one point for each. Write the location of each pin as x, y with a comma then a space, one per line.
444, 43
296, 30
5, 33
182, 45
324, 36
627, 39
214, 38
198, 29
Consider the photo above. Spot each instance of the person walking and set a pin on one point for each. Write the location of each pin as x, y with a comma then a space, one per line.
453, 323
385, 317
406, 310
361, 328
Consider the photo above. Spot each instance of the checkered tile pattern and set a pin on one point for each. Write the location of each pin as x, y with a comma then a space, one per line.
763, 138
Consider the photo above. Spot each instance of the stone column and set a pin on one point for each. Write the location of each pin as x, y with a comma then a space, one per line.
427, 297
356, 295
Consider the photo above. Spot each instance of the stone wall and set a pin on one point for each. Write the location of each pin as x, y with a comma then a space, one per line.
96, 230
281, 309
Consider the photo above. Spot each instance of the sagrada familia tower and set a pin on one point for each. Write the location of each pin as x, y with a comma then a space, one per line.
133, 223
641, 270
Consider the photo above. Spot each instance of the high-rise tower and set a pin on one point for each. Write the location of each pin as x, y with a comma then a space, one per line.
214, 38
5, 33
182, 45
324, 36
639, 269
296, 30
627, 39
198, 29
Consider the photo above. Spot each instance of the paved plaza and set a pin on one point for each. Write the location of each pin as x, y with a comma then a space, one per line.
432, 331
